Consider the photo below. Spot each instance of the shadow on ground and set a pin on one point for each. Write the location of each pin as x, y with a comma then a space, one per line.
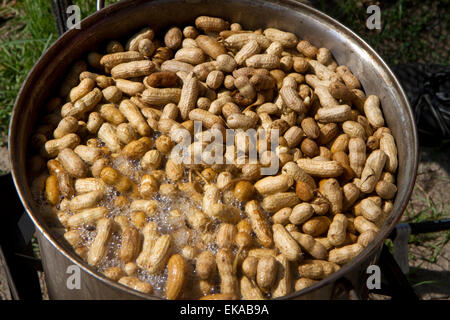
438, 288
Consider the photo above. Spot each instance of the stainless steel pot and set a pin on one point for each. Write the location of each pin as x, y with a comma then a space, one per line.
125, 17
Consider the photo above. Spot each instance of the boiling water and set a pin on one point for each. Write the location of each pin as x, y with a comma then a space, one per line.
182, 234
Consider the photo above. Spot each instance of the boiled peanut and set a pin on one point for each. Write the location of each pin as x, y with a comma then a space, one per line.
316, 226
285, 243
317, 269
260, 223
277, 201
249, 290
98, 248
344, 254
301, 213
337, 231
177, 277
266, 272
229, 282
310, 245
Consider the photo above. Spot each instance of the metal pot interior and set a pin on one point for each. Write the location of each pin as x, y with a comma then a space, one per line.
120, 20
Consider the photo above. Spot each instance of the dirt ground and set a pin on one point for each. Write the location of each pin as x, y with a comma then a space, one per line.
5, 294
430, 253
4, 160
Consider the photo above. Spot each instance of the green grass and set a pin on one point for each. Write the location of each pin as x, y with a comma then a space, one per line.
432, 210
412, 30
22, 41
27, 29
433, 243
422, 283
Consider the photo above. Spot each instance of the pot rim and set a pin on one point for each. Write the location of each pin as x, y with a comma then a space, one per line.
97, 17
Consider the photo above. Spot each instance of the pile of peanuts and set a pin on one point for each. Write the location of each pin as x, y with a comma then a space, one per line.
213, 231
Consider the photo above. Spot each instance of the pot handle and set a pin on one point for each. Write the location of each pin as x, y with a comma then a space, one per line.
100, 4
59, 8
